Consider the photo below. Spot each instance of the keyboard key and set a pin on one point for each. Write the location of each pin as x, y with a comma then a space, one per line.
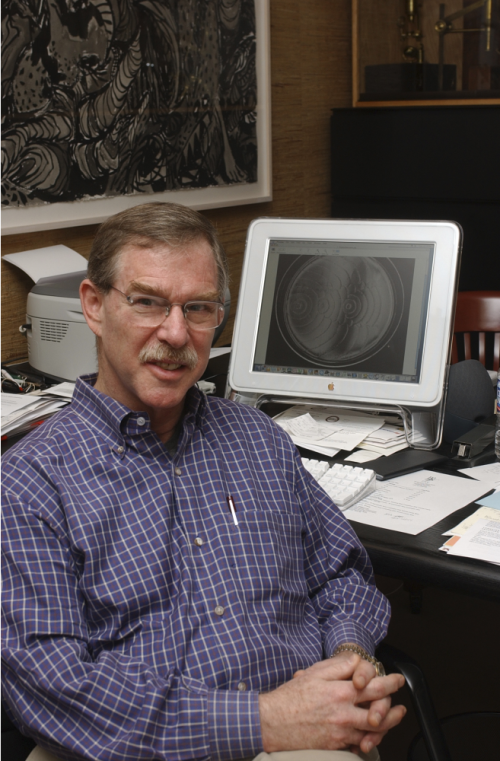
345, 484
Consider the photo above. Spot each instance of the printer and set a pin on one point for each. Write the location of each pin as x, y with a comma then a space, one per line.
60, 343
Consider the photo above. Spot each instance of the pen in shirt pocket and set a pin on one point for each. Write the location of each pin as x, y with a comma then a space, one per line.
232, 509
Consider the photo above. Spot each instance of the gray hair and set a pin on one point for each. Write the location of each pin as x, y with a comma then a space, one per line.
147, 225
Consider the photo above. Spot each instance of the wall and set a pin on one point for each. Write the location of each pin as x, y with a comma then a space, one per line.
310, 74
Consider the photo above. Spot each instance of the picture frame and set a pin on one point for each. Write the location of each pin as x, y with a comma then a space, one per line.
96, 210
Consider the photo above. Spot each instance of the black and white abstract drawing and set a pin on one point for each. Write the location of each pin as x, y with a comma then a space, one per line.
106, 98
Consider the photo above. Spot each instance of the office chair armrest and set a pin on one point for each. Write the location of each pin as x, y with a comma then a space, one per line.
395, 660
5, 722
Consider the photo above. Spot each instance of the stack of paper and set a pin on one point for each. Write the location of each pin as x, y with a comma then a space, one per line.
478, 536
325, 430
22, 412
481, 540
386, 440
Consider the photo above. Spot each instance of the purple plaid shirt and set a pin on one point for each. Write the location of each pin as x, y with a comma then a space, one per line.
139, 621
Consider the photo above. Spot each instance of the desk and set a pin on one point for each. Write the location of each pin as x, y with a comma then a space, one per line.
418, 558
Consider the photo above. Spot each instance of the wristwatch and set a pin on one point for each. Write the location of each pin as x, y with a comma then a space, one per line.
379, 667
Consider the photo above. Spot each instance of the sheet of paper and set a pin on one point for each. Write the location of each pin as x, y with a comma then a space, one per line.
327, 451
488, 513
382, 450
416, 501
65, 390
492, 500
219, 350
307, 428
388, 435
362, 455
346, 430
451, 541
30, 415
490, 472
12, 403
47, 262
481, 541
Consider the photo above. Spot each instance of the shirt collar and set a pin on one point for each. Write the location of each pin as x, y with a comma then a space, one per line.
121, 419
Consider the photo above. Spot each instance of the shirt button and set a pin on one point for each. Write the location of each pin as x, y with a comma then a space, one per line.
141, 421
178, 471
119, 450
219, 610
242, 686
198, 541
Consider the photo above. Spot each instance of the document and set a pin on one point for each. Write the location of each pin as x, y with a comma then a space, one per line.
12, 403
490, 473
25, 411
48, 261
218, 351
65, 390
481, 541
388, 439
492, 500
362, 455
416, 501
488, 513
323, 429
30, 415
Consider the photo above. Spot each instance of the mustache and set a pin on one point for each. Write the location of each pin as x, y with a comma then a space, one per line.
160, 352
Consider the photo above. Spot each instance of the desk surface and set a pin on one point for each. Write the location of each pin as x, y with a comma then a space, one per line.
418, 558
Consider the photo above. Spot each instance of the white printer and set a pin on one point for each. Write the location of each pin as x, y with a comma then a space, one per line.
60, 343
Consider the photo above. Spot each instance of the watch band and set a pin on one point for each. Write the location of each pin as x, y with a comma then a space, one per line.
379, 667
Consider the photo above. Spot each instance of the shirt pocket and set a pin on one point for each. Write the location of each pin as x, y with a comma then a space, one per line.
273, 561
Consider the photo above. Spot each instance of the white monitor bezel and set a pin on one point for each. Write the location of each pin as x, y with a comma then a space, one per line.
446, 236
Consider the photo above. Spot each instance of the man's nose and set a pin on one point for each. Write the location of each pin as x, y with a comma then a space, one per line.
173, 329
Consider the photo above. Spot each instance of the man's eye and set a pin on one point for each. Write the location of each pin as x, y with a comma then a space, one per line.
146, 302
200, 307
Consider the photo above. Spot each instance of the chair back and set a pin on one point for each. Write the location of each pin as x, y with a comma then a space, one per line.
478, 312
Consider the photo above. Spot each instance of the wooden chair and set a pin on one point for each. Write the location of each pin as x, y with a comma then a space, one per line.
478, 312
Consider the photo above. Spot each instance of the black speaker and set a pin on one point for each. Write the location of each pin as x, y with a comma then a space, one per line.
470, 398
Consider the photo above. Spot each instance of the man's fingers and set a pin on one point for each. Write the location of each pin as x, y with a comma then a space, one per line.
363, 673
394, 716
380, 687
377, 711
332, 669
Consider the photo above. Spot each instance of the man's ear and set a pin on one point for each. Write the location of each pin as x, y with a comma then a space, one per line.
92, 305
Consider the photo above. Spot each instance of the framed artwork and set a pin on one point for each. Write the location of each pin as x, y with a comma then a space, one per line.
107, 105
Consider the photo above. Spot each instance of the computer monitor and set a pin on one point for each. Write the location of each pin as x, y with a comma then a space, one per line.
357, 311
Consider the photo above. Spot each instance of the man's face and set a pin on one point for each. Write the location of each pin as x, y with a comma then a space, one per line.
151, 369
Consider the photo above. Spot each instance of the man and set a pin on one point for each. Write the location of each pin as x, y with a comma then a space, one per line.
175, 582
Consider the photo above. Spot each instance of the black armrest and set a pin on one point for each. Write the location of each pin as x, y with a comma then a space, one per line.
5, 722
395, 660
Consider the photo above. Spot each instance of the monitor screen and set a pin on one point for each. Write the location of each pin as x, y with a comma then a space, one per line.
353, 310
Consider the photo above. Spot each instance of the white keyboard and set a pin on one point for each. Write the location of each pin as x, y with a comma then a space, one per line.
345, 484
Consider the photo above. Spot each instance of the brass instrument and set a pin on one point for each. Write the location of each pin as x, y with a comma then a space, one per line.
409, 27
444, 26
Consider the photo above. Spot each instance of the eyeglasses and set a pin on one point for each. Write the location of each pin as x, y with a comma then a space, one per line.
150, 311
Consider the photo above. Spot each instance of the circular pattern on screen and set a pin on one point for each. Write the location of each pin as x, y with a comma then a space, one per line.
339, 310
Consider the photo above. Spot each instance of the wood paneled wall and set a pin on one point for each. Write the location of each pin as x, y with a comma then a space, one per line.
310, 75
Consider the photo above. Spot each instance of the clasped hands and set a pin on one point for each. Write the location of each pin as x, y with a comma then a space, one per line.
336, 704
